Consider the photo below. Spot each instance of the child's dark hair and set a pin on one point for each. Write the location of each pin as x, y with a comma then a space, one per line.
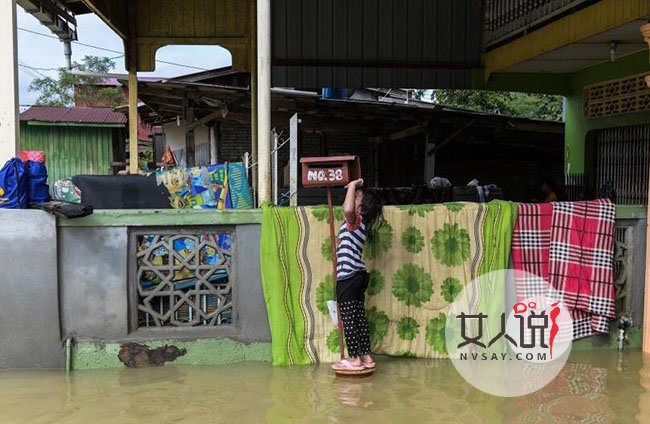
372, 207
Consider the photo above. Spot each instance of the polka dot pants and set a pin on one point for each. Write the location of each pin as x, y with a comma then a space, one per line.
350, 294
355, 327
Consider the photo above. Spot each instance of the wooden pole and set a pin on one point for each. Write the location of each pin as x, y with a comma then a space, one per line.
133, 121
333, 240
190, 148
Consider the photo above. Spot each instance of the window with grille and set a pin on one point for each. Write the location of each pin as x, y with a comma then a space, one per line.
183, 279
621, 157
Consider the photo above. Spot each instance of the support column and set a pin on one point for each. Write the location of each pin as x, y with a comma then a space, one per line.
133, 121
190, 147
293, 160
264, 100
645, 31
214, 144
254, 122
9, 119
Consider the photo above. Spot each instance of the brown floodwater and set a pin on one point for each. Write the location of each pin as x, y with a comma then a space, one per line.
593, 387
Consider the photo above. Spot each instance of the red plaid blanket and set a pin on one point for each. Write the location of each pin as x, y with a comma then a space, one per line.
570, 245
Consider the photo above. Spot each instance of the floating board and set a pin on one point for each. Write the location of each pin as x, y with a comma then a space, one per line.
355, 373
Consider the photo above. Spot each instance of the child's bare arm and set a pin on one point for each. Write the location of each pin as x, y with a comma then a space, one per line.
348, 204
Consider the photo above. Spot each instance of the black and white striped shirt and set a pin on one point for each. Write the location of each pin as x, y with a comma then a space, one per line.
349, 252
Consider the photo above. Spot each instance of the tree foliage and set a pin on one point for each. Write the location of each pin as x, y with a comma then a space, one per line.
60, 91
524, 105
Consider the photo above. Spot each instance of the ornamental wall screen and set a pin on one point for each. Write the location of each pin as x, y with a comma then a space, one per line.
615, 97
182, 279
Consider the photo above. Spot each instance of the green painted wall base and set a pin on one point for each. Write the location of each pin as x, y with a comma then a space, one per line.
90, 354
93, 354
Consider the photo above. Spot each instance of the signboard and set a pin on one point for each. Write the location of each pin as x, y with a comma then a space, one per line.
329, 171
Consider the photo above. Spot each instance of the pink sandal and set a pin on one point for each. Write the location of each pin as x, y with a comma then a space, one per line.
369, 365
346, 365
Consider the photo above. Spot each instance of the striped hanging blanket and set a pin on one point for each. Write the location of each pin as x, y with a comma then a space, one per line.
570, 245
419, 261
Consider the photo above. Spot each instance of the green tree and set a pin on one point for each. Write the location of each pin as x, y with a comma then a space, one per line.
524, 105
60, 91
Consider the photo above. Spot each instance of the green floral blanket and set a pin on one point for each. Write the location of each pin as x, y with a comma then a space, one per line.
420, 261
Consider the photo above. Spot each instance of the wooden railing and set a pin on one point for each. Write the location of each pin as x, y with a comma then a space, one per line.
509, 19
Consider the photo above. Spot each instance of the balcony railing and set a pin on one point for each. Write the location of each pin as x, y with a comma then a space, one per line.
509, 19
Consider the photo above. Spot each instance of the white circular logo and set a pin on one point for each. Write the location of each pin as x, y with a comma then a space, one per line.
508, 333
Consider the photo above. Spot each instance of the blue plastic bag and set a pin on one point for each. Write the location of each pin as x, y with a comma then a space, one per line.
13, 185
37, 189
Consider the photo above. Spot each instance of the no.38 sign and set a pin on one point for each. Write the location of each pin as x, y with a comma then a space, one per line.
335, 171
325, 175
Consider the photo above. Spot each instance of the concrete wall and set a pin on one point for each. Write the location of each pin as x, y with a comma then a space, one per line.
93, 275
94, 266
29, 306
92, 289
74, 282
252, 318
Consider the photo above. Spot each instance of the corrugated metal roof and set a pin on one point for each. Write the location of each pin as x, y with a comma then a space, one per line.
376, 43
83, 115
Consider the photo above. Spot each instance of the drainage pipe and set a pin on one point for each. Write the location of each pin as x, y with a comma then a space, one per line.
68, 354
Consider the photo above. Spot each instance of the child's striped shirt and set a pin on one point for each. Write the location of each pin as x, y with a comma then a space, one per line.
349, 252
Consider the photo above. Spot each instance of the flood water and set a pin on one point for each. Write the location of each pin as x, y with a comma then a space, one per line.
594, 387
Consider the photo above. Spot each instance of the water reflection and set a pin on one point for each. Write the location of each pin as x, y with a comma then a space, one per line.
593, 387
644, 398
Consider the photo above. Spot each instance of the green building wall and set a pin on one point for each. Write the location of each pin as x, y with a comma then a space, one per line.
577, 127
70, 149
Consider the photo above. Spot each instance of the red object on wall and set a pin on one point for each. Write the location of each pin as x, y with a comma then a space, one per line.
33, 155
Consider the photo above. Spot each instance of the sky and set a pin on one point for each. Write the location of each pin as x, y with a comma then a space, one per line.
46, 54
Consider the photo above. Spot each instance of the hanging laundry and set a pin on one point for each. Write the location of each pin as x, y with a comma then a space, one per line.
571, 246
421, 258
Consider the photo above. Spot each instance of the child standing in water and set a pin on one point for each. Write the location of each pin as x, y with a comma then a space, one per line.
362, 210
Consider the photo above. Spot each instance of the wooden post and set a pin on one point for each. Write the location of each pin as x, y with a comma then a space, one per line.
264, 100
293, 160
133, 121
429, 159
9, 119
190, 148
339, 321
132, 65
214, 144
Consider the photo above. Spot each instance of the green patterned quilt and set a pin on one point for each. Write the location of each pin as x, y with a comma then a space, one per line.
420, 261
